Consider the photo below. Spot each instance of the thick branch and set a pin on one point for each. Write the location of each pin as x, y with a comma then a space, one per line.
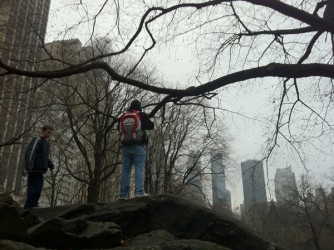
270, 70
295, 13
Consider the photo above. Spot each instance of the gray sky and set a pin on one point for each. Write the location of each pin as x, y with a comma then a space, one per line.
177, 62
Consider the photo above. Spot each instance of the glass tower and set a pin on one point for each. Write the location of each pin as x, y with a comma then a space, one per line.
221, 197
253, 183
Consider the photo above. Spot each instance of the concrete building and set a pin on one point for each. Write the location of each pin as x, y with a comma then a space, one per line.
76, 95
59, 187
221, 197
253, 181
285, 185
22, 30
194, 177
320, 198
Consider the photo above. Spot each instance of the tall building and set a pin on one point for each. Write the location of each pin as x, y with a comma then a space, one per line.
194, 177
320, 198
194, 171
22, 30
221, 197
75, 96
285, 185
253, 183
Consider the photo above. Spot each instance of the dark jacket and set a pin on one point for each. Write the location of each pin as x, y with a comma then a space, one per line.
146, 124
37, 155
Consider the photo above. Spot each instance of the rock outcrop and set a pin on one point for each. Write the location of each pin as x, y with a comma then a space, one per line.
153, 222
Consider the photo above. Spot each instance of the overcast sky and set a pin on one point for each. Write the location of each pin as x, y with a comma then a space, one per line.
248, 106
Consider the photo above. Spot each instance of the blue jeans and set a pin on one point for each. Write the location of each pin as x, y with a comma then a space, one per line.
35, 185
132, 155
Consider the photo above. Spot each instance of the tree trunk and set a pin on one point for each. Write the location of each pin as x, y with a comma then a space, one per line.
94, 185
93, 191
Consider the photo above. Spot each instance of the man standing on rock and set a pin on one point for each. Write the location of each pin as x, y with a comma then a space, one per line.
132, 128
37, 162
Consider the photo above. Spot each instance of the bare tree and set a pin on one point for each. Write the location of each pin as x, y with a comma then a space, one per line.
91, 104
249, 41
302, 220
180, 147
243, 47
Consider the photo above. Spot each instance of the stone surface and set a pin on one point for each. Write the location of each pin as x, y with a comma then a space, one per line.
12, 226
29, 218
158, 237
78, 233
154, 222
12, 245
7, 198
163, 240
192, 245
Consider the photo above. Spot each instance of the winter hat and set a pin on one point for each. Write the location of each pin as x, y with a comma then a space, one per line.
136, 105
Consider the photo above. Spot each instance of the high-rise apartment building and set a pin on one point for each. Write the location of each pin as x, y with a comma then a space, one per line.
194, 172
22, 30
285, 185
75, 96
221, 197
194, 177
253, 183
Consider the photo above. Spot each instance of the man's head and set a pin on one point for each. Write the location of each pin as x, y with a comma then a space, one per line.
47, 131
135, 105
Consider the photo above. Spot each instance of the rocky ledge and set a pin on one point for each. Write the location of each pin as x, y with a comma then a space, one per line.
153, 222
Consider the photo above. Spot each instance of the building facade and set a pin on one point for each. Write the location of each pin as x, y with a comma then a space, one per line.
285, 185
253, 181
23, 26
72, 99
221, 197
194, 177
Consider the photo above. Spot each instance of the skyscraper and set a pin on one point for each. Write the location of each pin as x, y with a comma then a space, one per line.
221, 197
74, 96
22, 30
194, 172
194, 178
285, 185
253, 183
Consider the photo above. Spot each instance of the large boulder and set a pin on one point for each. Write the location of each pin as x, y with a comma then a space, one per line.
163, 240
8, 199
13, 245
157, 237
12, 226
76, 233
30, 219
177, 216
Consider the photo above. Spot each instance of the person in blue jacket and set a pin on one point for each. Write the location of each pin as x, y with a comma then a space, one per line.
37, 162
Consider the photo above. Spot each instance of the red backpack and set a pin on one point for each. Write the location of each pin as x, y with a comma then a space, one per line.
130, 128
